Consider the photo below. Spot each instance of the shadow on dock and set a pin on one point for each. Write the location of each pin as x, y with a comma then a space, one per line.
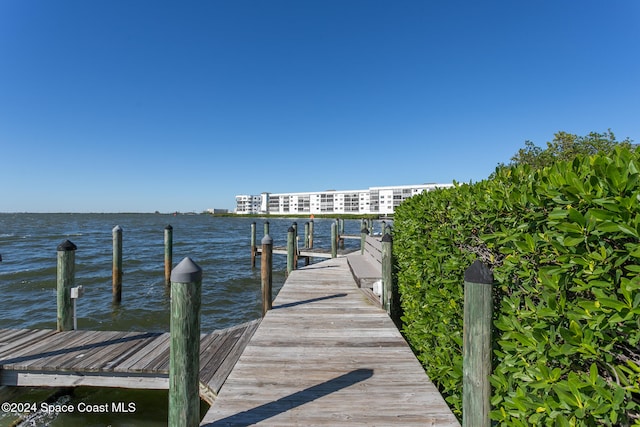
271, 409
309, 301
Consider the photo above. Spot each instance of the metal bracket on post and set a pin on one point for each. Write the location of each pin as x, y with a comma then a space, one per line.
76, 292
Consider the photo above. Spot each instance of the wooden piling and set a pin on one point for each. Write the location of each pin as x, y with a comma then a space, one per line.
66, 271
476, 350
116, 281
311, 234
265, 228
296, 241
184, 359
334, 240
266, 273
291, 233
306, 234
339, 233
168, 253
387, 275
363, 239
254, 248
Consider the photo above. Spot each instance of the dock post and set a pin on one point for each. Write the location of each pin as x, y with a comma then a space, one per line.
65, 280
168, 253
295, 245
370, 226
116, 280
266, 228
387, 275
184, 361
334, 240
341, 232
363, 239
476, 351
253, 244
311, 234
290, 249
306, 234
266, 273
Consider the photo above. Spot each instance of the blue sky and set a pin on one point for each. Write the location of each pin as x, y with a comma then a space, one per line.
138, 106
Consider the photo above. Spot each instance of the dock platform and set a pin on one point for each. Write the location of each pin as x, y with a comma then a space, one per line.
307, 252
325, 355
44, 357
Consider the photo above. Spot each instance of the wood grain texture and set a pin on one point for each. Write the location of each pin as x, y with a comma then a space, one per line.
324, 355
44, 357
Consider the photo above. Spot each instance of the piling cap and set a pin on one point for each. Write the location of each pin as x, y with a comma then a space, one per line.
291, 230
364, 231
117, 228
267, 240
168, 227
67, 245
387, 238
186, 271
478, 272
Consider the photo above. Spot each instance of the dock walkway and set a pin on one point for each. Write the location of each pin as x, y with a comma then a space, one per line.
325, 355
44, 357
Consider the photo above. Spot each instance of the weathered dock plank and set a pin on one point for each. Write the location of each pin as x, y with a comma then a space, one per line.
326, 356
112, 358
307, 252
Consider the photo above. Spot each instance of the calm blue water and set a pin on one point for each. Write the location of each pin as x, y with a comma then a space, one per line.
220, 245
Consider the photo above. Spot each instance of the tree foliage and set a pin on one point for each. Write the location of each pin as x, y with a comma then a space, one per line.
567, 146
564, 245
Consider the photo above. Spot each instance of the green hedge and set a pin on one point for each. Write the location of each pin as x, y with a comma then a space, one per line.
564, 246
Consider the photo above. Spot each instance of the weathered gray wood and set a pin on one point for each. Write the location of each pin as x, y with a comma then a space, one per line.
253, 244
65, 281
266, 273
311, 234
116, 277
184, 366
265, 228
334, 240
306, 235
387, 275
291, 264
478, 308
325, 356
168, 253
363, 238
112, 359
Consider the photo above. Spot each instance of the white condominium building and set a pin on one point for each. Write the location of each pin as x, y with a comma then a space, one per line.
374, 200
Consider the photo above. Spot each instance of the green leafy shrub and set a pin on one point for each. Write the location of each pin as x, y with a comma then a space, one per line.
564, 246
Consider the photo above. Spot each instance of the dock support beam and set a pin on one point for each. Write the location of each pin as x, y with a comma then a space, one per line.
184, 362
168, 253
311, 234
253, 244
476, 350
334, 240
116, 280
291, 236
65, 281
266, 273
363, 239
387, 275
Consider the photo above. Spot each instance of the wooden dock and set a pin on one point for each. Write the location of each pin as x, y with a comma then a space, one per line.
308, 252
44, 357
325, 355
